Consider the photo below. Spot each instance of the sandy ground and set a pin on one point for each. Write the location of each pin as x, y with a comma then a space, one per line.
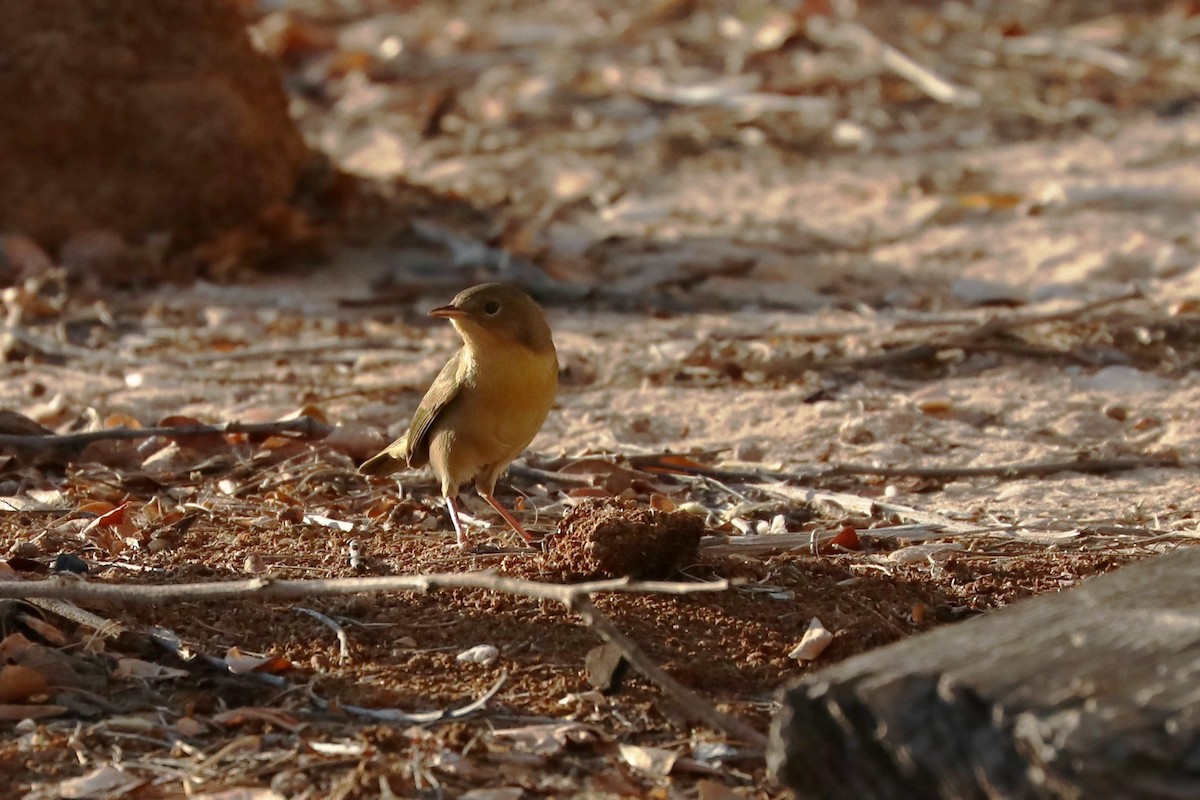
834, 321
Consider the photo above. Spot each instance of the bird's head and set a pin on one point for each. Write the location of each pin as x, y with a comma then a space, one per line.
494, 313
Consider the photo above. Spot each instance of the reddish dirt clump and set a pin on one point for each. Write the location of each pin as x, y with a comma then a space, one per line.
614, 538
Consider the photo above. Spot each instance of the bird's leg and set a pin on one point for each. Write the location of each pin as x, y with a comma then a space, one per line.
509, 518
452, 507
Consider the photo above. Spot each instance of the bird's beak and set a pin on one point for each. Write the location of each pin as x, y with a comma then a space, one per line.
448, 312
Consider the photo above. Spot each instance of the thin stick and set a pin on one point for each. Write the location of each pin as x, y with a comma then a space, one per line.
1092, 466
864, 505
280, 350
929, 349
304, 426
929, 82
691, 702
107, 628
418, 717
1023, 469
1009, 321
268, 589
520, 469
338, 630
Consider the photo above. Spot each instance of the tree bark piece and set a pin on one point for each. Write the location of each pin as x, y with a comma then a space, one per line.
1088, 693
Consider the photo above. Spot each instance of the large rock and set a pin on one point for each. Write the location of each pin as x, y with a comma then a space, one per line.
140, 117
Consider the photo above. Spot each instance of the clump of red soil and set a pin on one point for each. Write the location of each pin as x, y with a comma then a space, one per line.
614, 538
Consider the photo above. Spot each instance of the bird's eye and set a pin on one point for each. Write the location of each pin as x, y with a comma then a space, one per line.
491, 307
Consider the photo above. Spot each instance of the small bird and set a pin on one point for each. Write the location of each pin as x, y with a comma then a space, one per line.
486, 404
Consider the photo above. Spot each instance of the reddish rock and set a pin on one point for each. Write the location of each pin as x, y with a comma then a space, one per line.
138, 117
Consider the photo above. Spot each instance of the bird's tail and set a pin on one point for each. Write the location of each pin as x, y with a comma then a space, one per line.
382, 464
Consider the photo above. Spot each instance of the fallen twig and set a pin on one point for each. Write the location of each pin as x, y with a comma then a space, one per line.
291, 348
417, 718
774, 543
1091, 466
1003, 322
691, 702
338, 630
107, 628
522, 470
1026, 469
303, 426
929, 82
268, 589
973, 339
865, 505
1068, 48
574, 596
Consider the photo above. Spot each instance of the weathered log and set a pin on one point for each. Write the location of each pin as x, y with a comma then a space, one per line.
1092, 692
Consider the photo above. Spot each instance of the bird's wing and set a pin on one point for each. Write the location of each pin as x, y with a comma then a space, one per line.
441, 395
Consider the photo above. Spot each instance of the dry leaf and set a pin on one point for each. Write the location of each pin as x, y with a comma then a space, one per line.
144, 670
661, 502
19, 683
329, 522
1188, 305
936, 406
673, 464
498, 793
484, 654
813, 643
110, 529
102, 782
121, 421
16, 713
188, 726
239, 663
13, 423
115, 518
96, 507
207, 444
655, 760
311, 411
48, 631
585, 492
919, 553
30, 502
847, 538
22, 258
383, 508
989, 201
178, 421
56, 666
13, 647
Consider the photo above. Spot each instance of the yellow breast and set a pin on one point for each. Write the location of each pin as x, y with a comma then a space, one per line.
504, 397
510, 391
